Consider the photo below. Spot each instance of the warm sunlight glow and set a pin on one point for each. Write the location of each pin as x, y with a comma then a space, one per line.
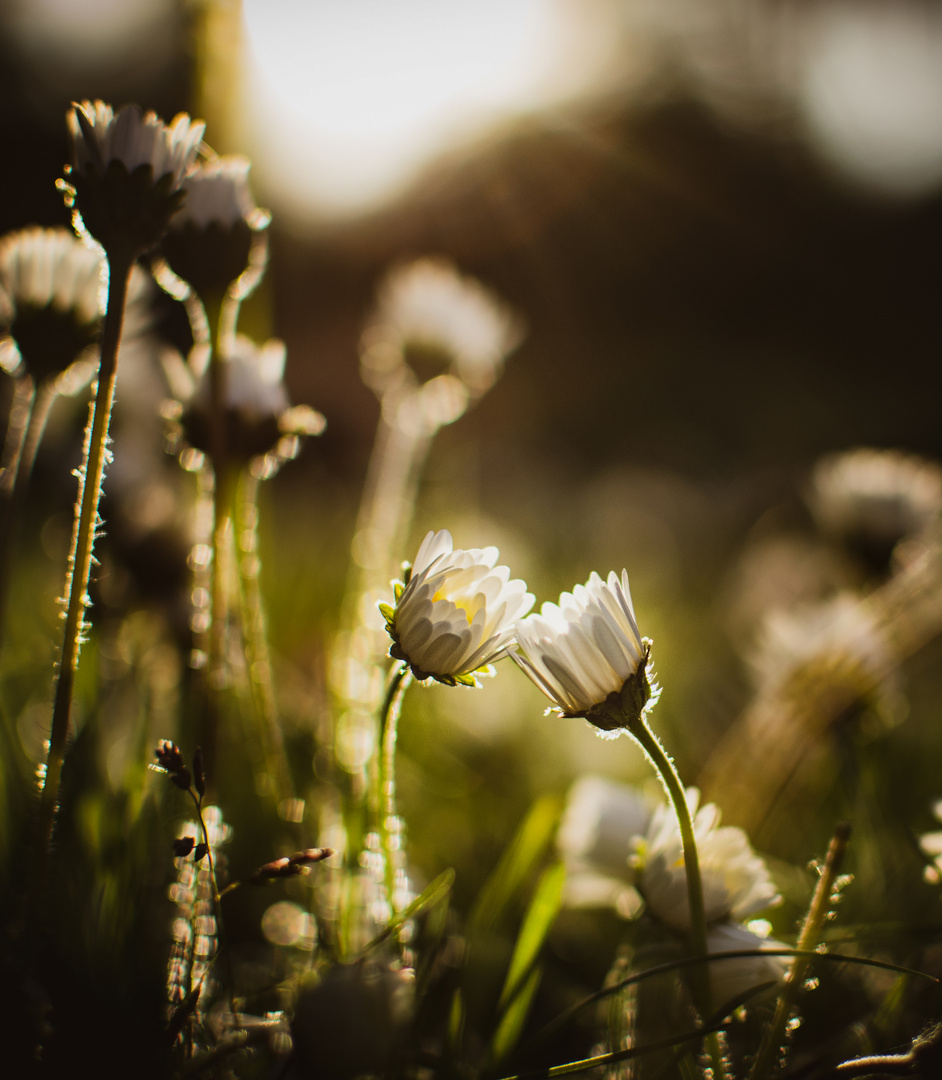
347, 100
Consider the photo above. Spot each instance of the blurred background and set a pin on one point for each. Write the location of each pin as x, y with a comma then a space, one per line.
721, 221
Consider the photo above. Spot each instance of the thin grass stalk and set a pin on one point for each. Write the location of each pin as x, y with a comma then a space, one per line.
765, 1061
87, 521
255, 641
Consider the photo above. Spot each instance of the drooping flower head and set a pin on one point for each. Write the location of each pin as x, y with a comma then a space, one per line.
736, 881
126, 174
257, 417
455, 613
51, 298
216, 239
587, 654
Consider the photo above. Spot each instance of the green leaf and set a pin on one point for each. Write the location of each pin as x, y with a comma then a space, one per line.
388, 612
515, 866
511, 1023
540, 916
431, 895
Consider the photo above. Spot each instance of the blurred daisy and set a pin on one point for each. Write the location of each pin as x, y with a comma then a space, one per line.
601, 824
213, 240
51, 299
586, 653
871, 499
456, 611
258, 419
736, 882
435, 319
126, 172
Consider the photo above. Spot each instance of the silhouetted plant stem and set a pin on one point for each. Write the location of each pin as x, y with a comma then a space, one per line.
95, 454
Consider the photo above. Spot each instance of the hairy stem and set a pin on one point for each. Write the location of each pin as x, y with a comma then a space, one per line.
767, 1058
80, 559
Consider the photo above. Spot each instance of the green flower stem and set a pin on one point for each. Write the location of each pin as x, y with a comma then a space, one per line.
385, 794
80, 558
15, 482
675, 790
767, 1058
258, 664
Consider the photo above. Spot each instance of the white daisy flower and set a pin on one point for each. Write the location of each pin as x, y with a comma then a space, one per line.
872, 499
100, 136
256, 406
735, 880
126, 174
597, 837
586, 648
455, 614
428, 304
217, 190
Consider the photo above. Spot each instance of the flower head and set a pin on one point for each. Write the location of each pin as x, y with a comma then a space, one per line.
587, 654
51, 298
126, 171
428, 311
600, 826
257, 414
871, 499
456, 611
216, 237
735, 880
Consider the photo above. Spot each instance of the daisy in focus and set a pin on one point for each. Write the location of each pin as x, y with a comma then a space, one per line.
455, 612
587, 654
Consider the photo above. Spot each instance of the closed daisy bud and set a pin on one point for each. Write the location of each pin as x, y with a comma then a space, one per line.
587, 654
217, 235
126, 172
456, 612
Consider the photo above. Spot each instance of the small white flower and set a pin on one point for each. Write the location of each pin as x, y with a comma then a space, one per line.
429, 304
735, 880
255, 403
731, 978
838, 639
218, 191
596, 840
874, 498
585, 648
42, 268
456, 613
99, 136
